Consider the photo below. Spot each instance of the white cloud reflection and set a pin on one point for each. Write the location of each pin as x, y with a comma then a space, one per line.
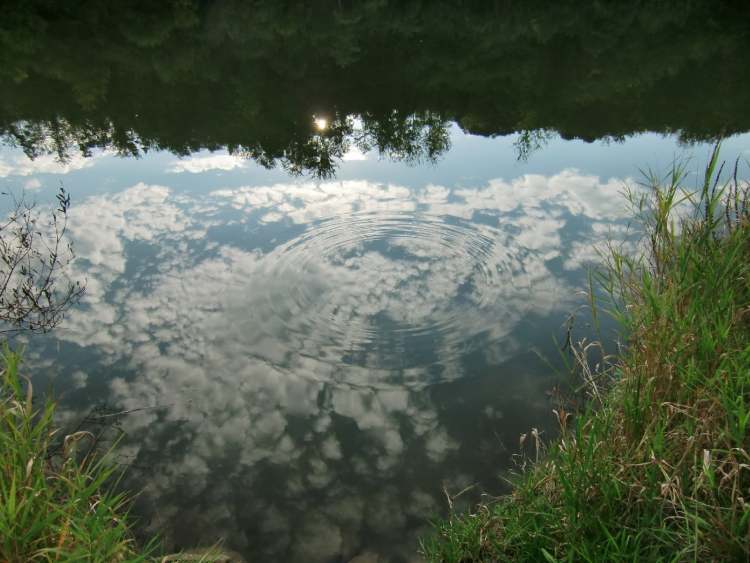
199, 164
354, 153
15, 163
32, 184
268, 357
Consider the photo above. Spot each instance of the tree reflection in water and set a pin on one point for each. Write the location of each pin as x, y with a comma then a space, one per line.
191, 75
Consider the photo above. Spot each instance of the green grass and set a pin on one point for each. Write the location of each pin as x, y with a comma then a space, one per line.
656, 466
58, 503
55, 504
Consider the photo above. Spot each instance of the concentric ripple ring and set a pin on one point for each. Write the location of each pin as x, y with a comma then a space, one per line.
394, 290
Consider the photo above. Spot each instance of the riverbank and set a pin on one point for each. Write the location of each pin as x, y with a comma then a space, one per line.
656, 466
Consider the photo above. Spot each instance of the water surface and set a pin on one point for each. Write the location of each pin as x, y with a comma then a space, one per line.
327, 288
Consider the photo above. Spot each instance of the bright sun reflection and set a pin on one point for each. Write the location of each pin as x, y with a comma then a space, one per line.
321, 123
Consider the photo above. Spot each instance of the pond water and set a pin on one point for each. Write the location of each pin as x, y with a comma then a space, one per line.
323, 277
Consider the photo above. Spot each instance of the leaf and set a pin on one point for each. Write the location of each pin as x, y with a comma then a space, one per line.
29, 467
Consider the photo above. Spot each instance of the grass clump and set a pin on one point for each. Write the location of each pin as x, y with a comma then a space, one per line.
55, 504
58, 499
656, 466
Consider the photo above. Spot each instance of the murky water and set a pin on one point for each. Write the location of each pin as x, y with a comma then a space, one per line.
347, 309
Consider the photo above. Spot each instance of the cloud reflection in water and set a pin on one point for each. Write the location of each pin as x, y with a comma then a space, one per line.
292, 333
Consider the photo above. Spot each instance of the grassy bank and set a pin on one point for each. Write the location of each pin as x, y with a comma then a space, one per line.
55, 503
58, 499
656, 467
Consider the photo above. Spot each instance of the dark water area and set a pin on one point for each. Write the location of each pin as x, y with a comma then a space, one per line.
328, 247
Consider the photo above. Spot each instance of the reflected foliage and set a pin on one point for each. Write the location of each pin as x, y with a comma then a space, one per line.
186, 75
35, 252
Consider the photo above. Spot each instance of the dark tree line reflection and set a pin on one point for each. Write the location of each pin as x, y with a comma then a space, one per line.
190, 74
